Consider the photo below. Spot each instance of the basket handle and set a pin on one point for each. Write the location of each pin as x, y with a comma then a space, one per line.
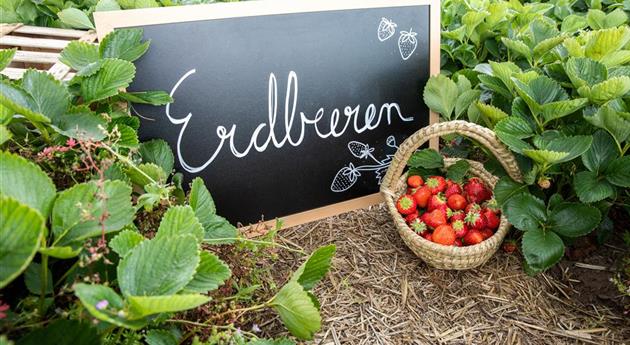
483, 135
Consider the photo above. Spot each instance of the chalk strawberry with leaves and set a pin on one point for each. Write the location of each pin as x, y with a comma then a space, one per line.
386, 29
407, 43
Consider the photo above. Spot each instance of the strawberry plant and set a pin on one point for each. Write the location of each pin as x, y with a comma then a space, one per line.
89, 214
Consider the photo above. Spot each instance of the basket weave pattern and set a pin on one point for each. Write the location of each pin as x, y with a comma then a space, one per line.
394, 185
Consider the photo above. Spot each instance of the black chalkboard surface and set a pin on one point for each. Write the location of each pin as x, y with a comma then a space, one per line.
289, 112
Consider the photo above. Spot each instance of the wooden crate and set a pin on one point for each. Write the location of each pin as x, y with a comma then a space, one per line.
39, 48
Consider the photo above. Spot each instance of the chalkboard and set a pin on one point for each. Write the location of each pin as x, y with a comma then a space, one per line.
286, 108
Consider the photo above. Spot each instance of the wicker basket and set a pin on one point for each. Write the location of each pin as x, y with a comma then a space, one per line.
394, 185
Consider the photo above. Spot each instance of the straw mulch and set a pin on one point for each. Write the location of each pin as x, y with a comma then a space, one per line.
378, 292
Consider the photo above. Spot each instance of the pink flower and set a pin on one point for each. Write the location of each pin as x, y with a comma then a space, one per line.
3, 308
71, 142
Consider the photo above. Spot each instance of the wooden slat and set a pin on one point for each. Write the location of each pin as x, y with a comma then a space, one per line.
6, 29
45, 43
44, 31
13, 73
35, 57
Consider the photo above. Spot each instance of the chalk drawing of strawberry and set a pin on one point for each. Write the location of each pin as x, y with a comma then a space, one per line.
407, 43
345, 178
386, 29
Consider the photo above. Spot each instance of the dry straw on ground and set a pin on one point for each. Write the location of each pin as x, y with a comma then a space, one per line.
378, 292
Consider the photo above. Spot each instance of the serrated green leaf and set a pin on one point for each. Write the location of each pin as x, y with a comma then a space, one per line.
20, 178
125, 44
201, 201
439, 95
211, 273
573, 23
427, 159
50, 96
610, 89
63, 332
542, 249
491, 112
113, 75
77, 211
6, 55
464, 100
518, 47
142, 306
545, 156
601, 153
297, 311
458, 171
526, 212
515, 143
128, 136
610, 120
82, 126
618, 172
149, 172
180, 220
33, 279
495, 84
585, 71
93, 295
603, 42
574, 146
5, 134
75, 18
547, 45
315, 267
106, 5
506, 188
125, 241
573, 219
161, 266
161, 336
79, 54
147, 97
617, 58
157, 151
590, 188
21, 232
219, 231
555, 110
515, 126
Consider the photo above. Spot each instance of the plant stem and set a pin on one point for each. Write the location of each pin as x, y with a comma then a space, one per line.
128, 162
214, 240
44, 282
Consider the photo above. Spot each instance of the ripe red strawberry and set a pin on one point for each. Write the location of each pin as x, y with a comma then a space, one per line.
434, 218
458, 243
418, 226
455, 215
422, 196
406, 205
444, 234
509, 246
486, 233
437, 201
476, 220
428, 236
454, 188
414, 181
476, 191
436, 184
457, 202
460, 228
411, 217
473, 237
472, 207
492, 220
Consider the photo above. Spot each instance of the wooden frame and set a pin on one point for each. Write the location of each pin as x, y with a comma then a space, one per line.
39, 48
108, 21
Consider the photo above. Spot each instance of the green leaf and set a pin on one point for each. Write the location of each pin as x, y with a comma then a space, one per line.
125, 241
83, 126
113, 75
297, 311
65, 252
21, 177
219, 231
610, 89
491, 112
125, 44
211, 273
573, 23
458, 171
427, 159
574, 146
514, 126
151, 170
518, 47
315, 267
158, 152
77, 211
201, 201
180, 220
617, 58
5, 134
506, 188
79, 54
160, 337
147, 97
545, 157
161, 266
142, 306
525, 211
20, 102
128, 136
464, 100
75, 18
439, 95
590, 188
515, 143
6, 55
585, 71
63, 332
106, 5
603, 42
602, 151
50, 96
542, 249
573, 219
555, 110
618, 172
548, 44
610, 120
91, 295
33, 279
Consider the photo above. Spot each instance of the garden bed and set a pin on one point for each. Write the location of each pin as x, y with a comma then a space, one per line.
378, 292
